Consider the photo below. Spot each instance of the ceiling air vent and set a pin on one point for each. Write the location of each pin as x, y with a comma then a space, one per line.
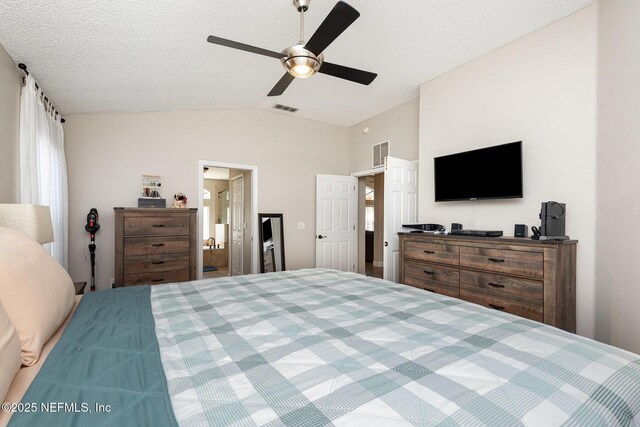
285, 108
380, 152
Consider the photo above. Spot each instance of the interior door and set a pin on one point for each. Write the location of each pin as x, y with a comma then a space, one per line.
335, 222
237, 225
400, 207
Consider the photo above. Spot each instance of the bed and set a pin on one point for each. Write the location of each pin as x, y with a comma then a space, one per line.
320, 347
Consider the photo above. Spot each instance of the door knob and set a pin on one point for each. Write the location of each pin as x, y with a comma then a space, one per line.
320, 236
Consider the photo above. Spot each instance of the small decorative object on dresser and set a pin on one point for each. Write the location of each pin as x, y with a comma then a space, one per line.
155, 245
529, 278
179, 201
150, 195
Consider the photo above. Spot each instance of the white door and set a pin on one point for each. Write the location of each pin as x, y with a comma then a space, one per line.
237, 225
400, 207
335, 222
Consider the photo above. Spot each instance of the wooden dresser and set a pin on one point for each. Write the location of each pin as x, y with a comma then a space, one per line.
155, 246
529, 278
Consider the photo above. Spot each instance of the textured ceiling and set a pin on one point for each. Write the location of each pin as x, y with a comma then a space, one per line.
140, 55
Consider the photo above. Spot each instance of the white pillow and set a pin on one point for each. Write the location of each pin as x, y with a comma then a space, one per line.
9, 352
36, 292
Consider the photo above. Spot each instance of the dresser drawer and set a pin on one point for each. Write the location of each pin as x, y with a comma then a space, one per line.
156, 225
156, 278
521, 290
518, 263
155, 263
434, 252
504, 303
134, 246
434, 278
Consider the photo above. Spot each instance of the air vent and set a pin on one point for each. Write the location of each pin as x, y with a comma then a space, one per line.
380, 152
285, 108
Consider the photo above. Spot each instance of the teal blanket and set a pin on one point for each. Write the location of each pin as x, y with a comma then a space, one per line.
116, 380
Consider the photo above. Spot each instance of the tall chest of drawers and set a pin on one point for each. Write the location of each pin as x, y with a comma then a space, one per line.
155, 246
529, 278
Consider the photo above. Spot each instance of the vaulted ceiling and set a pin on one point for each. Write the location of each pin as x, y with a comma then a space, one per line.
139, 55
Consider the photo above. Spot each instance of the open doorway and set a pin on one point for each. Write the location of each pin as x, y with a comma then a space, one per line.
227, 214
215, 222
371, 224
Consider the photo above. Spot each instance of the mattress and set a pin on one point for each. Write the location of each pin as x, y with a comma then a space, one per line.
321, 347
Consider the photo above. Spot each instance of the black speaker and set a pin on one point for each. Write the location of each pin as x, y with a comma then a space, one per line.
456, 226
552, 216
521, 230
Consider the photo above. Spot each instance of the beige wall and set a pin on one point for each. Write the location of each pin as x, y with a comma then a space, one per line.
540, 89
107, 153
10, 84
398, 125
618, 209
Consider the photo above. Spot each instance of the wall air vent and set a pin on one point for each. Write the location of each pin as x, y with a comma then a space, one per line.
285, 108
380, 152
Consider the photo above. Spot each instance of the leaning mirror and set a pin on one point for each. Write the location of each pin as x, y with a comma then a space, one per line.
271, 227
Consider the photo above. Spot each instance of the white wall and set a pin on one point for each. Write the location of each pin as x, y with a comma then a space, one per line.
10, 84
540, 89
398, 125
618, 209
108, 153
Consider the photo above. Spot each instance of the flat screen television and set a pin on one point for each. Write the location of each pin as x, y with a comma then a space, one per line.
487, 173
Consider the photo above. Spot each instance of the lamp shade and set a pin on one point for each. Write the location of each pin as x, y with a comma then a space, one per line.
32, 220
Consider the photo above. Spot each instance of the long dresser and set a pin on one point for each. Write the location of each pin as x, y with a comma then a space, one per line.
155, 245
529, 278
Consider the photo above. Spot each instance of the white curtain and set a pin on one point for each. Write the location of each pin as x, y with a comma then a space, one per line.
43, 168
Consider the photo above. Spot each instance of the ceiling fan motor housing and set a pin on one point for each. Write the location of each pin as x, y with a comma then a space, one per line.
300, 62
301, 5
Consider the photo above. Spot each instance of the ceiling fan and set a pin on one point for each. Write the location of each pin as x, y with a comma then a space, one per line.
304, 59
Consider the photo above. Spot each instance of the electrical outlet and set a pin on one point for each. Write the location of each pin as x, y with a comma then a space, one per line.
112, 282
301, 226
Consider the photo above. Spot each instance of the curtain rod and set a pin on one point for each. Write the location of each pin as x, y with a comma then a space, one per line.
23, 67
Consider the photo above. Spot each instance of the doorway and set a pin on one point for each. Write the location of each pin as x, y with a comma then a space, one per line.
215, 222
227, 213
371, 225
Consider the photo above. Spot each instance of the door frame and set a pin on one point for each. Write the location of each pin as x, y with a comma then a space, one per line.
254, 209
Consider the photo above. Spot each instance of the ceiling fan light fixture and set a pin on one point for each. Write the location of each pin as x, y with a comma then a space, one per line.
300, 62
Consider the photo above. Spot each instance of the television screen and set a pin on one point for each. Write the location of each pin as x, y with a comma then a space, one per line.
487, 173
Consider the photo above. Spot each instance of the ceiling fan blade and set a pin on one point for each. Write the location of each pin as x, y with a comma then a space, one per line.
347, 73
242, 46
341, 16
280, 87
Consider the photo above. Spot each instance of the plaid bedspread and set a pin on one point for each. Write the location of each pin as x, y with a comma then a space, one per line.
320, 347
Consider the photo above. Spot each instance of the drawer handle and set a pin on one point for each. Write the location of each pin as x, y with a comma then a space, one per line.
157, 280
158, 225
429, 272
157, 262
157, 245
496, 260
496, 307
429, 252
496, 285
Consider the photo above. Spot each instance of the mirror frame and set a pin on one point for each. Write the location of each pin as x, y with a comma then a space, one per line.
270, 215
